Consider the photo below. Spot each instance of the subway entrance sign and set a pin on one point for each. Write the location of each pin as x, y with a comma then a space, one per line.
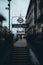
20, 25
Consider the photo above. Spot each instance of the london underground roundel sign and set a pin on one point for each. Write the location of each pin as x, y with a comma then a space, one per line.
20, 20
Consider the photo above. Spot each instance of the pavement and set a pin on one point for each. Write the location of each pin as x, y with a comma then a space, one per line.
21, 43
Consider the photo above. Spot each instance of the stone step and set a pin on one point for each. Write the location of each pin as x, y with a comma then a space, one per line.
19, 56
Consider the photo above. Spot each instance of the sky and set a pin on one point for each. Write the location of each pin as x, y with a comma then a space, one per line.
17, 7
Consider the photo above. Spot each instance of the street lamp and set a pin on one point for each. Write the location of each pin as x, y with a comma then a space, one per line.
9, 11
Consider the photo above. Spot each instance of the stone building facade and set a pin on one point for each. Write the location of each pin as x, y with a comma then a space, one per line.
34, 17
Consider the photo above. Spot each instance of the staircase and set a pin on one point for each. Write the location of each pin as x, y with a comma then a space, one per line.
19, 56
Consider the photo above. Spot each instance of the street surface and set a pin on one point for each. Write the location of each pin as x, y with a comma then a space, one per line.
21, 43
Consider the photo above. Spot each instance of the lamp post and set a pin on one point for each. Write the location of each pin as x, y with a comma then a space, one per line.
9, 11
